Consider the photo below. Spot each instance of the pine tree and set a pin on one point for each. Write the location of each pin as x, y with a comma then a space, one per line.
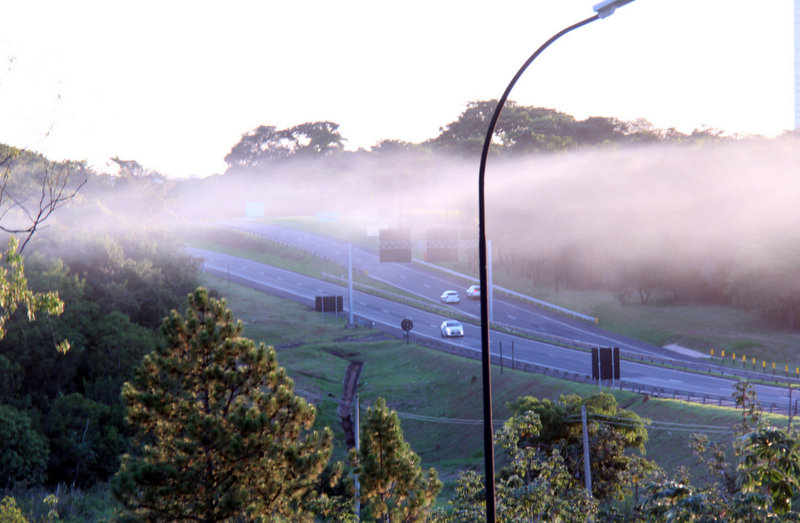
393, 485
220, 433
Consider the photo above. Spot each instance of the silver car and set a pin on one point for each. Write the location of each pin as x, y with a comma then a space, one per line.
450, 297
451, 328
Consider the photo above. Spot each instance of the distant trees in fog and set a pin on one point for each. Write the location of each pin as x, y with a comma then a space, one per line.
520, 130
266, 143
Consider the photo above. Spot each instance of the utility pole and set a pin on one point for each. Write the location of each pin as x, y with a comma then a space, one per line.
587, 470
489, 276
358, 447
789, 427
349, 285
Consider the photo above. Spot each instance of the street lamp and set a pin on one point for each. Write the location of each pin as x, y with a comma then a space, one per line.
602, 10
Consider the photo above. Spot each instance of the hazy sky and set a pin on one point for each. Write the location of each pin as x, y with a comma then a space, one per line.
173, 84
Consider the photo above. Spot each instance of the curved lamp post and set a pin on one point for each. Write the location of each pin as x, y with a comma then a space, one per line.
602, 10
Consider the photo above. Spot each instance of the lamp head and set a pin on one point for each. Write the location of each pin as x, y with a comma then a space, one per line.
607, 7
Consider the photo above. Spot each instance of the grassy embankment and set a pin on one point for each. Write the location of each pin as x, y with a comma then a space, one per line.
418, 381
421, 382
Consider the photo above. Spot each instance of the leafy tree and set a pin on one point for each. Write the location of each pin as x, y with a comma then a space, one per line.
23, 451
15, 293
85, 440
266, 144
612, 432
220, 433
760, 485
316, 139
263, 144
393, 485
524, 130
139, 274
105, 346
534, 486
10, 512
769, 470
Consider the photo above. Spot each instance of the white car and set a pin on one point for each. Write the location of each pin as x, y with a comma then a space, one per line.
474, 292
452, 328
450, 297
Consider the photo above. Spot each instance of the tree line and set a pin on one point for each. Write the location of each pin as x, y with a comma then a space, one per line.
602, 243
218, 434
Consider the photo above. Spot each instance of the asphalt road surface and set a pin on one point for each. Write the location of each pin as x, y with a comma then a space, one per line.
388, 315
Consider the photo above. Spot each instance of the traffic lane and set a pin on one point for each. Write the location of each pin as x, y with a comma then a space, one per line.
430, 284
365, 305
403, 275
428, 324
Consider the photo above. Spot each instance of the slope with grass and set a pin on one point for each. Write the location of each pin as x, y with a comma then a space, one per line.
438, 396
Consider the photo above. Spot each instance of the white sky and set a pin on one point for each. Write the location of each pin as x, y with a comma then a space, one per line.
173, 84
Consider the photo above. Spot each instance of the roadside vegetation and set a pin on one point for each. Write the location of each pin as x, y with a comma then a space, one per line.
100, 281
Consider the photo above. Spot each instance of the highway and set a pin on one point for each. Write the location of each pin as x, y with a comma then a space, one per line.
430, 284
387, 314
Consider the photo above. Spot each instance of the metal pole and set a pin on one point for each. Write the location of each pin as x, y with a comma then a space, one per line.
358, 447
587, 469
501, 356
604, 9
350, 284
513, 362
491, 278
599, 370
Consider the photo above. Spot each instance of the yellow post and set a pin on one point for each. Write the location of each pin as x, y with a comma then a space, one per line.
712, 353
743, 358
723, 353
733, 359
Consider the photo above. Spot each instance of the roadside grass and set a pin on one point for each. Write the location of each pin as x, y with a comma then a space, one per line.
699, 327
434, 392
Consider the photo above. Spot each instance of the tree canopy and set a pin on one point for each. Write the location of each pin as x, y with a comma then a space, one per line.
220, 433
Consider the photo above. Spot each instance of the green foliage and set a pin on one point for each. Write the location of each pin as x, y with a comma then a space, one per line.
10, 512
23, 451
534, 486
769, 468
524, 130
393, 485
612, 431
220, 433
14, 293
139, 274
75, 397
106, 347
266, 144
760, 486
85, 440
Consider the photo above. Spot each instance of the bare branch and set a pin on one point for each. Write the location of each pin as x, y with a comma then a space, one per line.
55, 190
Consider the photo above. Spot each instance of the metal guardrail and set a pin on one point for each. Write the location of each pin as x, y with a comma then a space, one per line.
639, 388
712, 368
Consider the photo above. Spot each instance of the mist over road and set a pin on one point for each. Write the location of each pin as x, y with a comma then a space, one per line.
388, 314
